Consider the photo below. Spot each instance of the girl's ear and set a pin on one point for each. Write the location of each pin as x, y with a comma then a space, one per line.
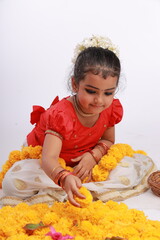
74, 85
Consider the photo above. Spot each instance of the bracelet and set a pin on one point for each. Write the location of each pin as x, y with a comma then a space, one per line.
65, 174
105, 147
100, 149
58, 176
93, 155
54, 170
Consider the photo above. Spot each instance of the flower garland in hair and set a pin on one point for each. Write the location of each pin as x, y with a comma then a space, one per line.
95, 41
100, 172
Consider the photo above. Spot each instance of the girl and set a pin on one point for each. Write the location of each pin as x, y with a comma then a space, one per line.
79, 128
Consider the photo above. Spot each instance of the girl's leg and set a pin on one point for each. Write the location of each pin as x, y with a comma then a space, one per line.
26, 178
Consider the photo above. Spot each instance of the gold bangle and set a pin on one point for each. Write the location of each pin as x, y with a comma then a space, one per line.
93, 155
54, 169
63, 177
104, 146
58, 176
101, 149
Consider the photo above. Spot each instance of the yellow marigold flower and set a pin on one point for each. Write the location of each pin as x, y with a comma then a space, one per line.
125, 149
14, 155
21, 236
50, 218
141, 152
62, 162
85, 180
99, 174
24, 154
129, 151
95, 222
84, 202
64, 225
41, 231
115, 152
1, 178
6, 166
69, 168
79, 238
108, 162
135, 238
35, 152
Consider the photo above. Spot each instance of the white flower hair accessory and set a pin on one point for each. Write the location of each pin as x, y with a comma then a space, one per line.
95, 41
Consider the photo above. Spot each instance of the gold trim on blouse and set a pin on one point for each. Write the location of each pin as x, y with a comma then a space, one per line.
54, 133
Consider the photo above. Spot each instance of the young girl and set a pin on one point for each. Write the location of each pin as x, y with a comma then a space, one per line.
79, 128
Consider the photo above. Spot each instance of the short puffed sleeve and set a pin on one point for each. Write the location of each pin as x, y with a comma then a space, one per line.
60, 123
116, 113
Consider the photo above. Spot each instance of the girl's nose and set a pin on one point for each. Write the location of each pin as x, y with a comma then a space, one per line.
98, 100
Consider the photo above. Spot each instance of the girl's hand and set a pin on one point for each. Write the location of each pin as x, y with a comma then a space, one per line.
71, 186
84, 167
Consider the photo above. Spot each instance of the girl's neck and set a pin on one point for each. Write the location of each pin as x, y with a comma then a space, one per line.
79, 109
86, 119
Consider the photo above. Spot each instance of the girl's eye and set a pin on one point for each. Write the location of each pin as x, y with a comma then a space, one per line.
90, 91
108, 93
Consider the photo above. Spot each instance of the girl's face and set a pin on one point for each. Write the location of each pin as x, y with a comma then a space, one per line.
95, 93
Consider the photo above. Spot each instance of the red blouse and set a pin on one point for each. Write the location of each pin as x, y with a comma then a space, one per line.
76, 138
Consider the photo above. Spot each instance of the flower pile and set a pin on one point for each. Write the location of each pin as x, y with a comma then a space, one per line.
99, 173
95, 41
95, 221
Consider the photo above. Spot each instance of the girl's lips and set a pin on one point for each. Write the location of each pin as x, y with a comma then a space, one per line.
96, 106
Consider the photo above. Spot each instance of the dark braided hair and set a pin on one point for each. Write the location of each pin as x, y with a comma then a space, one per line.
96, 60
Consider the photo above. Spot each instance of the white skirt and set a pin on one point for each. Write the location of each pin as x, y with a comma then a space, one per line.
26, 181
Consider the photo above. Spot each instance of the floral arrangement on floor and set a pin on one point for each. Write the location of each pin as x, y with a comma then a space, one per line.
111, 220
99, 173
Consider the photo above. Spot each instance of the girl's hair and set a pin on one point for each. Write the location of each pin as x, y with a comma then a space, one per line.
96, 60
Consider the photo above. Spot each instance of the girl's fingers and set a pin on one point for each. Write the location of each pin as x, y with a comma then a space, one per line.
89, 177
78, 194
79, 183
77, 169
71, 197
84, 175
72, 200
77, 159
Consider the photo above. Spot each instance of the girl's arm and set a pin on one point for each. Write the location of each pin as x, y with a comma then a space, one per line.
50, 154
108, 139
109, 136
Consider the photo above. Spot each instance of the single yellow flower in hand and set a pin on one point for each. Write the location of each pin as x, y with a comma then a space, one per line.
86, 201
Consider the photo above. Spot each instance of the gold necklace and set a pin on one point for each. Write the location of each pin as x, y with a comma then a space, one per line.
79, 110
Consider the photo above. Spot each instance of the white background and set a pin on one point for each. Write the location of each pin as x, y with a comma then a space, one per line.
37, 39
